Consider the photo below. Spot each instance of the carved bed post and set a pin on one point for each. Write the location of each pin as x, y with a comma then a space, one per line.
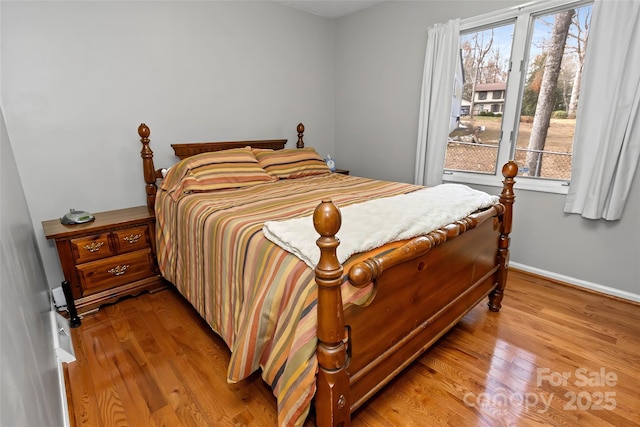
300, 129
147, 165
333, 406
507, 197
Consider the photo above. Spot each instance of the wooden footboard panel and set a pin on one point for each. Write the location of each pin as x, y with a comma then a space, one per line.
422, 290
413, 307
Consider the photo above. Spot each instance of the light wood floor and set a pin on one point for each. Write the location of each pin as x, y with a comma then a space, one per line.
554, 355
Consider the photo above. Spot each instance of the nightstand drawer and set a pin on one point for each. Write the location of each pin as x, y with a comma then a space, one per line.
91, 248
131, 239
115, 271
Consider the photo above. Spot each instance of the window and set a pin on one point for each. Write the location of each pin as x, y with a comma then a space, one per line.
530, 59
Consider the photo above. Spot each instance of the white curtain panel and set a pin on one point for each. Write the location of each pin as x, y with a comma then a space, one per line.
607, 137
435, 103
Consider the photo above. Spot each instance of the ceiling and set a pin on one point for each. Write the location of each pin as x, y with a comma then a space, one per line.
330, 8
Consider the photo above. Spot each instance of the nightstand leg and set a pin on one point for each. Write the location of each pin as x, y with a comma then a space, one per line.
74, 319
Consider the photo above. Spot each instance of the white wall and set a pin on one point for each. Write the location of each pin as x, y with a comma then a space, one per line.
79, 77
30, 393
598, 254
379, 61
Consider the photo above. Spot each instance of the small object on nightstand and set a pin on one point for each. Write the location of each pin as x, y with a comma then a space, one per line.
76, 217
331, 164
342, 171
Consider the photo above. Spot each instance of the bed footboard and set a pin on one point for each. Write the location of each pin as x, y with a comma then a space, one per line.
431, 283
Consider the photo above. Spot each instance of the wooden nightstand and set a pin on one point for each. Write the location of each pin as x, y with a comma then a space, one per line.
342, 171
108, 258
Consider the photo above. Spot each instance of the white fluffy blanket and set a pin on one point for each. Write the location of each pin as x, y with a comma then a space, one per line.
373, 223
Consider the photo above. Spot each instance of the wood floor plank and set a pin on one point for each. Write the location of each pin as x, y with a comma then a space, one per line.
82, 404
151, 361
112, 411
128, 379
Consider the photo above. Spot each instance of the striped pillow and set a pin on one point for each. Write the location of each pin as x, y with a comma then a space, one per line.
291, 162
217, 170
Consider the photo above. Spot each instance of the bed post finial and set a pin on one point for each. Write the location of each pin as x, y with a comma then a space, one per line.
300, 129
147, 165
144, 131
333, 406
507, 198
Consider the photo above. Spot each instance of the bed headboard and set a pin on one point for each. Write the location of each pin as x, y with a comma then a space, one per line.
191, 149
182, 151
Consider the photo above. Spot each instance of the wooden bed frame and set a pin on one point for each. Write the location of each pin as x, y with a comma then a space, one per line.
422, 289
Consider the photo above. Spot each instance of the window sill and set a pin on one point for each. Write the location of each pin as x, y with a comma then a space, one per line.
522, 182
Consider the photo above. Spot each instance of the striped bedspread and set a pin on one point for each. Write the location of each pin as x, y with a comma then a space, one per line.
259, 298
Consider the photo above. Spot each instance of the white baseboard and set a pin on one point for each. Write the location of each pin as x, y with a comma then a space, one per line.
578, 282
63, 394
63, 347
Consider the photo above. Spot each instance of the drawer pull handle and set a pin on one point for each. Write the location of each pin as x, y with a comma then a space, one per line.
132, 238
118, 270
94, 246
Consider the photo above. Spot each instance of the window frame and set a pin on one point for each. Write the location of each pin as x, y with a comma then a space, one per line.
522, 18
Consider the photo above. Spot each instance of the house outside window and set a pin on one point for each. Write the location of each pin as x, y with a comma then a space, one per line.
530, 60
484, 104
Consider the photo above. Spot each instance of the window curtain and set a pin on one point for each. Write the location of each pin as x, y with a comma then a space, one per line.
435, 103
607, 135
